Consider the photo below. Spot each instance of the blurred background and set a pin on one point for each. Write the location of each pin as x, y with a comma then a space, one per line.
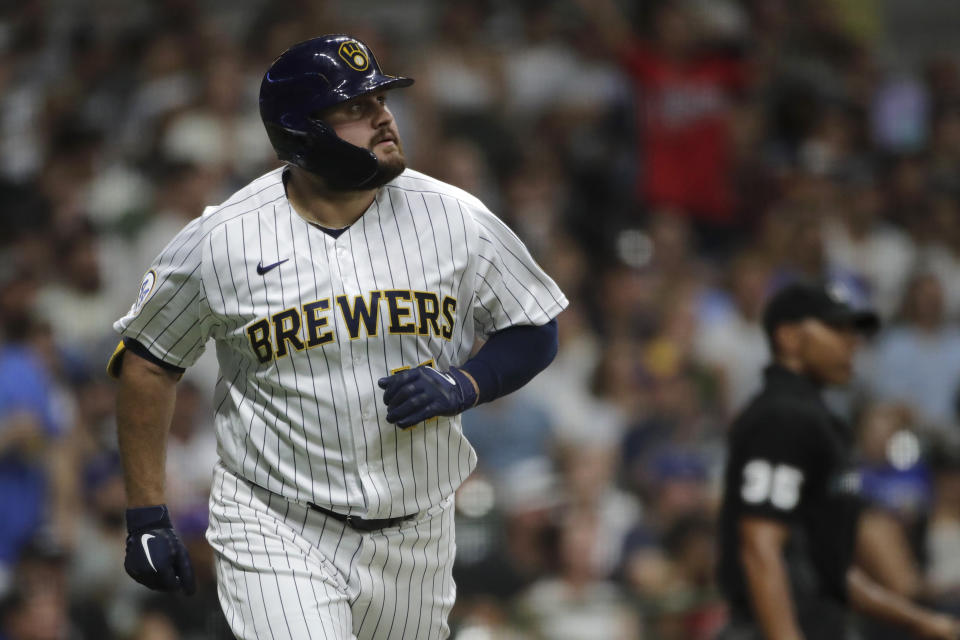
669, 163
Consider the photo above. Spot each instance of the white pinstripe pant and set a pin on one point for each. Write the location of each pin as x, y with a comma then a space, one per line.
285, 571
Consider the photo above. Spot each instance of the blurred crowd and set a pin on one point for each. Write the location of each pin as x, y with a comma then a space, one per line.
670, 163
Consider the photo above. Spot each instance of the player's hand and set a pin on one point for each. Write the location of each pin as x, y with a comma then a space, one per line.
415, 395
155, 556
938, 626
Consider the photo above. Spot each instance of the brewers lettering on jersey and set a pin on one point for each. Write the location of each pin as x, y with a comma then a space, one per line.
344, 294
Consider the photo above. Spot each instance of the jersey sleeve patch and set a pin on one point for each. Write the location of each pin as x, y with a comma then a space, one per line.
146, 290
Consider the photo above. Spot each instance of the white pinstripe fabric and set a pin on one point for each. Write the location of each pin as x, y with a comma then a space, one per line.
288, 571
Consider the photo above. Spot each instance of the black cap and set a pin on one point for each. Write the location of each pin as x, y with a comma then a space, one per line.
828, 303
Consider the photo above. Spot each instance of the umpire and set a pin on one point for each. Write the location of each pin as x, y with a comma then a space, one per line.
788, 524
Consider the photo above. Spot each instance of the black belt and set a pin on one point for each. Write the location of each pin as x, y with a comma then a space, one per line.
362, 524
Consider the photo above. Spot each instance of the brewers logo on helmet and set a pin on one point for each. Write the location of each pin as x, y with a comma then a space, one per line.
353, 54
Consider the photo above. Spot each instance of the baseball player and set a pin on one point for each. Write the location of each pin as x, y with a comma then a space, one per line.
790, 508
344, 294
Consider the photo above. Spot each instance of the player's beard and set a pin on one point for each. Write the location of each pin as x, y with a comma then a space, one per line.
387, 170
390, 166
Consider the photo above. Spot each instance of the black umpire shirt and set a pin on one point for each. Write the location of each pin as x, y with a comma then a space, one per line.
788, 460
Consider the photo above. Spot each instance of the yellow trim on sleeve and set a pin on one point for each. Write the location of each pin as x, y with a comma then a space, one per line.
113, 365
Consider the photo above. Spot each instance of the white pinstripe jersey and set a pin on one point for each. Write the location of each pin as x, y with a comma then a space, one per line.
305, 324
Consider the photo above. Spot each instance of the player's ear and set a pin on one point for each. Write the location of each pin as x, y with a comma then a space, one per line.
787, 339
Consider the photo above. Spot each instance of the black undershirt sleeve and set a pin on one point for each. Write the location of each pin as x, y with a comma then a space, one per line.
136, 347
511, 358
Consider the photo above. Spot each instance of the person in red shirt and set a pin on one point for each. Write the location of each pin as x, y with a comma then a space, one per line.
685, 94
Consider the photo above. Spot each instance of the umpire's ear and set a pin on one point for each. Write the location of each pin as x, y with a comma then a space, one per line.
787, 339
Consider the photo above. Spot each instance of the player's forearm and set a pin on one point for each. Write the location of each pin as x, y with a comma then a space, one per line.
511, 358
145, 403
883, 552
870, 598
770, 592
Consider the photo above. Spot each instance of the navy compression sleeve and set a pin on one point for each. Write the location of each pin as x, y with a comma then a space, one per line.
511, 358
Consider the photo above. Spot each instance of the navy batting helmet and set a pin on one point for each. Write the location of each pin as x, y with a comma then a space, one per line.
312, 76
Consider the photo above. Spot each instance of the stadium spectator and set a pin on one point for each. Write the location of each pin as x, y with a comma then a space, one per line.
734, 346
685, 89
29, 425
918, 361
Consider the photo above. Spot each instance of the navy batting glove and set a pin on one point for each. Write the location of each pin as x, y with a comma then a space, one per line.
155, 556
415, 395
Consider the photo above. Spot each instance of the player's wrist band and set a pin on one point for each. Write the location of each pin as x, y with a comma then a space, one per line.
152, 517
469, 390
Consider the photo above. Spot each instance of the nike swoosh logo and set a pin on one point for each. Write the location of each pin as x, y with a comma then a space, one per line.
263, 269
447, 377
144, 539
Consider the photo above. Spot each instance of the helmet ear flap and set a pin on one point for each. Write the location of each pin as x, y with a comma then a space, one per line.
321, 151
343, 165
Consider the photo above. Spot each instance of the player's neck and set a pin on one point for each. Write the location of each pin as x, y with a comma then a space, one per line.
796, 365
314, 202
